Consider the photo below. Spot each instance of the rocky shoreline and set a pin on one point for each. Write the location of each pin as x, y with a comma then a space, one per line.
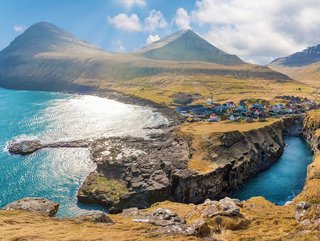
125, 159
157, 169
137, 172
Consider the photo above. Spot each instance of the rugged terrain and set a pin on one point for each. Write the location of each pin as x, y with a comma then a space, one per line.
255, 219
303, 66
188, 165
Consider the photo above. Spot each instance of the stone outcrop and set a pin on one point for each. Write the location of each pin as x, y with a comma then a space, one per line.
134, 172
95, 217
25, 147
37, 205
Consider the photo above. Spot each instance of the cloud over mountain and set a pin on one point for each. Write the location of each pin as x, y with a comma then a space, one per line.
259, 30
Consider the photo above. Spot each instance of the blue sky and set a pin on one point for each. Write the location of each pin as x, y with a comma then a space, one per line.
256, 31
88, 19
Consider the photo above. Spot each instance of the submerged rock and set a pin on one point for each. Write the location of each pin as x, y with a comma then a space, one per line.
24, 147
37, 205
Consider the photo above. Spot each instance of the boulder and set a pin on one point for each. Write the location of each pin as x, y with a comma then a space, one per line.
225, 207
37, 205
164, 217
199, 229
24, 147
95, 217
130, 212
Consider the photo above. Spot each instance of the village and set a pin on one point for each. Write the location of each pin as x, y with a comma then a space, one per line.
247, 110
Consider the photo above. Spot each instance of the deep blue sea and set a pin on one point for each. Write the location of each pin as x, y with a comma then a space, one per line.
284, 179
57, 174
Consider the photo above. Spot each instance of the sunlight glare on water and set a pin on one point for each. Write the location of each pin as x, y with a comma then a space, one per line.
57, 174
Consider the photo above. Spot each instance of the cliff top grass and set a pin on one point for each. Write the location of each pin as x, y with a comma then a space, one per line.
200, 132
312, 120
160, 88
207, 128
267, 222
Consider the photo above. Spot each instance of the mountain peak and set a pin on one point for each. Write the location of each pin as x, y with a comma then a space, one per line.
45, 37
308, 56
186, 45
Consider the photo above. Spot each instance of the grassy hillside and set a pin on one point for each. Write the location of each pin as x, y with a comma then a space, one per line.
47, 58
309, 74
188, 46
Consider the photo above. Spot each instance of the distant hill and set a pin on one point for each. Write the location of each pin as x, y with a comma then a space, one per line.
303, 66
45, 37
187, 45
46, 57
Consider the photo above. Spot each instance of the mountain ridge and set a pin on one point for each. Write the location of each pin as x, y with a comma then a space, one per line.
186, 45
303, 66
46, 57
308, 56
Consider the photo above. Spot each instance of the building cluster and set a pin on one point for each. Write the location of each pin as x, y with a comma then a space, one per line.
215, 112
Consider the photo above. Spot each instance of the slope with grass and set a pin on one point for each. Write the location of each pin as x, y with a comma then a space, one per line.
45, 57
303, 66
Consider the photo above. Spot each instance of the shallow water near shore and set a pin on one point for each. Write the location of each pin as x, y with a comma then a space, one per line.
57, 174
284, 179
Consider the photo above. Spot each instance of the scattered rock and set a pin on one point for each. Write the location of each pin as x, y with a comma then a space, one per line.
301, 210
308, 224
130, 212
164, 217
225, 207
37, 205
96, 217
201, 228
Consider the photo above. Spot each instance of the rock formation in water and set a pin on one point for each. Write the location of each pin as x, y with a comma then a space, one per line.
25, 147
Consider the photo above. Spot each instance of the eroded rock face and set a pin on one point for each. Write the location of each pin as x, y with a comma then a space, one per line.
155, 170
36, 205
144, 167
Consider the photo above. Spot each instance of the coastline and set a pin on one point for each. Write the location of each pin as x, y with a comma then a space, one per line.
162, 140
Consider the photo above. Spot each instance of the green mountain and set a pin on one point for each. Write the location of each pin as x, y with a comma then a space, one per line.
46, 57
187, 45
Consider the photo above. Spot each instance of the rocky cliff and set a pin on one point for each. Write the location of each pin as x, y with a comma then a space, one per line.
138, 173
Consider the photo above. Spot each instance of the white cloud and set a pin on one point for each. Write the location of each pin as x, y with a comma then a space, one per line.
118, 45
18, 28
182, 19
259, 30
152, 38
130, 3
126, 23
155, 21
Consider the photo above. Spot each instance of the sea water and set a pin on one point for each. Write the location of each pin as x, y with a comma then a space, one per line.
57, 174
284, 179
